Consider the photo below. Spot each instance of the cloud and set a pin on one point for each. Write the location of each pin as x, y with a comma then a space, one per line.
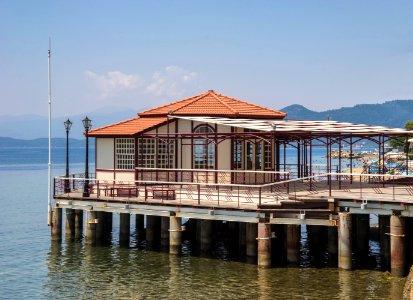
170, 82
114, 83
173, 82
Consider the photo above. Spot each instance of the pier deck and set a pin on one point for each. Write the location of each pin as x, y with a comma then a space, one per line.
320, 196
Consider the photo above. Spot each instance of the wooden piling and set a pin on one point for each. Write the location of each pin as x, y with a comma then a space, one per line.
91, 227
344, 241
397, 245
108, 223
152, 227
124, 229
206, 235
78, 224
251, 239
242, 231
56, 225
264, 245
293, 243
100, 226
332, 245
165, 232
362, 233
140, 226
70, 223
384, 232
175, 235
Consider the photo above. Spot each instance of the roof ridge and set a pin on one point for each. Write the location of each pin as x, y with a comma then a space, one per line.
121, 122
222, 102
253, 104
199, 97
168, 104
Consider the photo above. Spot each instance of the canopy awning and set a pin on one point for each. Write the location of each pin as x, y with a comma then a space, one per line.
301, 127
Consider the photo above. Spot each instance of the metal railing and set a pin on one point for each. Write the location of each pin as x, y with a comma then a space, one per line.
354, 186
211, 176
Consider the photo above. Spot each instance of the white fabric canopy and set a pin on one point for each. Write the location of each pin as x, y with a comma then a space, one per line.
286, 126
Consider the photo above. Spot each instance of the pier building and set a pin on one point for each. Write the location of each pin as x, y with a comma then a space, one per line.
211, 158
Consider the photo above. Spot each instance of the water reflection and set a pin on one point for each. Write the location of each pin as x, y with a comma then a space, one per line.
344, 282
82, 271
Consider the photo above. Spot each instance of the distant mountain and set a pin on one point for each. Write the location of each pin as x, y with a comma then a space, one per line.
390, 113
33, 126
6, 142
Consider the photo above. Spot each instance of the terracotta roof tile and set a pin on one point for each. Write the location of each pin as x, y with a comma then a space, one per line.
214, 104
206, 104
128, 127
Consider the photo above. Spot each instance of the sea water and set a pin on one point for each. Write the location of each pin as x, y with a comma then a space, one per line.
33, 267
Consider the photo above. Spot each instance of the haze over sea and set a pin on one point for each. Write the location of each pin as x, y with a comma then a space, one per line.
31, 266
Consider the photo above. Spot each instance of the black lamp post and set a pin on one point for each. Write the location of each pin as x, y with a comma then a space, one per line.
68, 125
87, 123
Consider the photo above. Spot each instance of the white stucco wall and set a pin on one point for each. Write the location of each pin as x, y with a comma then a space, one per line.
105, 148
224, 150
105, 175
125, 176
184, 126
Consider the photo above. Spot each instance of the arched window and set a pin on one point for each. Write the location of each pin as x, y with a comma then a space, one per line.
204, 149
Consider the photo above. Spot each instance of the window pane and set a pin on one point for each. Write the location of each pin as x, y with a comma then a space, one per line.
258, 156
203, 150
125, 153
249, 154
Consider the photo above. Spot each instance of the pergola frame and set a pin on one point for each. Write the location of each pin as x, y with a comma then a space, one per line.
280, 133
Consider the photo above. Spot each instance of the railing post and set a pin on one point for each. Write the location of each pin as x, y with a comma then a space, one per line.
162, 193
113, 188
329, 188
259, 196
394, 196
218, 193
238, 197
295, 191
337, 177
199, 194
97, 189
361, 188
311, 183
288, 183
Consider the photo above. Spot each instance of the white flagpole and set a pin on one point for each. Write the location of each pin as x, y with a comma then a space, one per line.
49, 186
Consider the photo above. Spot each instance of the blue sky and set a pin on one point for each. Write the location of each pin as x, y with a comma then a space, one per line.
138, 54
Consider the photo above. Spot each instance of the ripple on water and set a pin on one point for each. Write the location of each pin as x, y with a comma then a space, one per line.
31, 267
77, 271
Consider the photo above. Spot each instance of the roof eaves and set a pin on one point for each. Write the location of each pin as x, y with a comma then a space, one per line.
110, 125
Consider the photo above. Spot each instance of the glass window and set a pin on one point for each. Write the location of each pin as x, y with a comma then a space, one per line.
204, 149
258, 156
147, 153
267, 156
166, 154
250, 155
238, 154
125, 154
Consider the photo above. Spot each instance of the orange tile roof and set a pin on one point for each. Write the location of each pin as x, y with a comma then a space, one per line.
206, 104
214, 104
128, 127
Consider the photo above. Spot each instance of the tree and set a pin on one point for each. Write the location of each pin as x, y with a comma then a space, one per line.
401, 142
